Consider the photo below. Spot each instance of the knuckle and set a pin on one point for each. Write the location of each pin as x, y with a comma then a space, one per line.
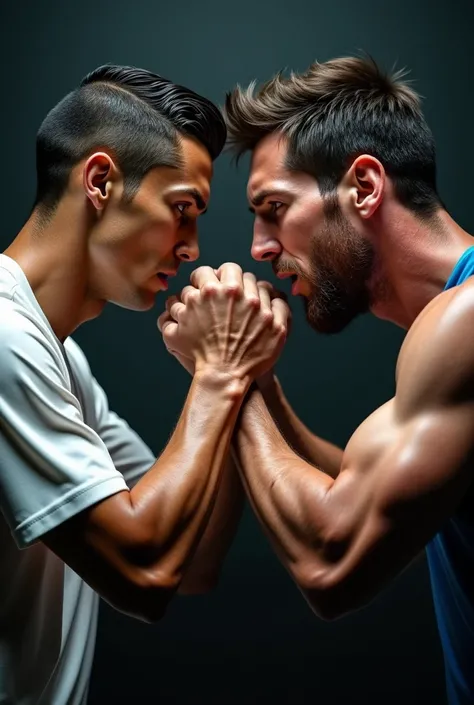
192, 296
279, 329
233, 290
186, 293
209, 290
253, 301
267, 317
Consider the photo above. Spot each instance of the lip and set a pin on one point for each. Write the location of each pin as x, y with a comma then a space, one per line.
162, 282
163, 275
284, 275
296, 288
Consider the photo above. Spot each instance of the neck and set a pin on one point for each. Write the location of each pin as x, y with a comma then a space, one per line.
54, 258
416, 259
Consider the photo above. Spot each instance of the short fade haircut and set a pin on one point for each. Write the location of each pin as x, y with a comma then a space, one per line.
133, 113
334, 112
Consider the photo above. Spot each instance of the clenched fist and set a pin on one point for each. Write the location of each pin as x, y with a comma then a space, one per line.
225, 320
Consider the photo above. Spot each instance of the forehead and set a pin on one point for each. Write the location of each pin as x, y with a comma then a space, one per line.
195, 171
197, 162
268, 163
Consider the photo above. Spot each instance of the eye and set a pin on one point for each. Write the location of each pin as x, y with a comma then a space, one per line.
275, 206
182, 209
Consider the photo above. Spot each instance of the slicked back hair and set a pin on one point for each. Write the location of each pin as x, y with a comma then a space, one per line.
135, 114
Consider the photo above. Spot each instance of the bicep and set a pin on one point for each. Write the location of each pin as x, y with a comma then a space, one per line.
98, 543
394, 493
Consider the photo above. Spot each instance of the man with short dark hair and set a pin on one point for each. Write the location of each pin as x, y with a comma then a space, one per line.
343, 187
124, 170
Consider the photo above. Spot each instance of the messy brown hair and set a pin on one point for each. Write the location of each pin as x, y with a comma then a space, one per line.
334, 112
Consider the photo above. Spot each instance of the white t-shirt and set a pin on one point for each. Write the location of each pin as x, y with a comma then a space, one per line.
61, 450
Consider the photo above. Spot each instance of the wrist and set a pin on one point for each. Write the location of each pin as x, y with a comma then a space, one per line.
222, 381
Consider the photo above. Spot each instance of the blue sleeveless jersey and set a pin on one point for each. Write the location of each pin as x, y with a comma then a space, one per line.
451, 564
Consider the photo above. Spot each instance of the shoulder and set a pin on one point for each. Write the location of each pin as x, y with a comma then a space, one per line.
77, 359
436, 362
82, 374
29, 352
91, 396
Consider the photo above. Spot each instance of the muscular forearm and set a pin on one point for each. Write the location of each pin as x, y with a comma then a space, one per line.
315, 450
174, 500
203, 571
133, 548
287, 494
321, 528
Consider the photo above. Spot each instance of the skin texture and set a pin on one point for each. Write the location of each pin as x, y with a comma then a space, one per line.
135, 548
104, 249
344, 522
403, 472
309, 239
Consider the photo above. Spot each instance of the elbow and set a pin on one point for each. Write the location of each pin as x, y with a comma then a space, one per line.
143, 582
326, 594
157, 591
149, 578
147, 595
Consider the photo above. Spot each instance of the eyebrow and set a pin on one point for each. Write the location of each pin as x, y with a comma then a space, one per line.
194, 193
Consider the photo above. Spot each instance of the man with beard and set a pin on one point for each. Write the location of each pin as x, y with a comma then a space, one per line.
343, 189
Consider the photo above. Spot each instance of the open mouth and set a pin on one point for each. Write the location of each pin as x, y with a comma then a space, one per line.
163, 279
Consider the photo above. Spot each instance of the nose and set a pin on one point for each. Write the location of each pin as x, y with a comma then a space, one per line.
188, 251
264, 247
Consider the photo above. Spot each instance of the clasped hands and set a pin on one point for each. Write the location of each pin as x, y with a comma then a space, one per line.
227, 321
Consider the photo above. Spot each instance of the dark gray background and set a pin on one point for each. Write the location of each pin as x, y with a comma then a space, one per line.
254, 640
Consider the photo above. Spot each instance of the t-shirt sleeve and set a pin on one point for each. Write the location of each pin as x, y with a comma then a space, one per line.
130, 454
52, 464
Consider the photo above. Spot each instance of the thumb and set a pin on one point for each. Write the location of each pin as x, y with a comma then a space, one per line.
169, 331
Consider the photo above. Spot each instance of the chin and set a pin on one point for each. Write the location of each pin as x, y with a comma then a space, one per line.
326, 321
328, 326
